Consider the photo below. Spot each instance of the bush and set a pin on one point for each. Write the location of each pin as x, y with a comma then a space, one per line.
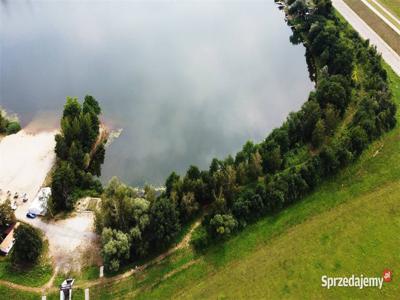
200, 238
222, 226
13, 127
115, 249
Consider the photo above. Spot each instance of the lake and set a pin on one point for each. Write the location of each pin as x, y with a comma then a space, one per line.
186, 81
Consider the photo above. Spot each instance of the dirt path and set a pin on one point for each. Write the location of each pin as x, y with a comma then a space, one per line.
25, 288
48, 287
183, 244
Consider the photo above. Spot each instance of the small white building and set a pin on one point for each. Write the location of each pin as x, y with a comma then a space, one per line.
39, 204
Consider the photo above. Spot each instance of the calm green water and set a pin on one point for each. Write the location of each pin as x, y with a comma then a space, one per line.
186, 80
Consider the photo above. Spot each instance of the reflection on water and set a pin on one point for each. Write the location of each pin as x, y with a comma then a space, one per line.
186, 80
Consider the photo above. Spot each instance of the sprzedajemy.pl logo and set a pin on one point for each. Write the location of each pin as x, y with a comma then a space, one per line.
356, 281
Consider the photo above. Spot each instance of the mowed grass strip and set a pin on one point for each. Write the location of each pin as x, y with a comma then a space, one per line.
392, 5
376, 23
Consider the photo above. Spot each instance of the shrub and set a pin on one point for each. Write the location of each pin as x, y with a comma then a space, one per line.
13, 127
200, 238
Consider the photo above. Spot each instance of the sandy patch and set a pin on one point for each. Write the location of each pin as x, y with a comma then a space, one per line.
69, 239
25, 160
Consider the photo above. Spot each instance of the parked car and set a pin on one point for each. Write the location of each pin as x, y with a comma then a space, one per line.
14, 205
25, 197
16, 195
30, 215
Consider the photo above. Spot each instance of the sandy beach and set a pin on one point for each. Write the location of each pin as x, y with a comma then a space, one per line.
25, 160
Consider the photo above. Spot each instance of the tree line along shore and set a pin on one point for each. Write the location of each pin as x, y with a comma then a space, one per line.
350, 107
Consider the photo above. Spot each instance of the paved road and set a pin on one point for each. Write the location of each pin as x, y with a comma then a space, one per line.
388, 54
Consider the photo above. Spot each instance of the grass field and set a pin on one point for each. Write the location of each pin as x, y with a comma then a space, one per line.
34, 276
392, 5
376, 23
7, 293
348, 226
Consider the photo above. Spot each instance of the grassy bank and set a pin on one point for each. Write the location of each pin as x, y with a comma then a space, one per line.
8, 293
34, 276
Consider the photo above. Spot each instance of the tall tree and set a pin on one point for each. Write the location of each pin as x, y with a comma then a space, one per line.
28, 245
7, 216
318, 133
164, 224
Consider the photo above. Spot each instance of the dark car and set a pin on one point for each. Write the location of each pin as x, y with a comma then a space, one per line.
30, 215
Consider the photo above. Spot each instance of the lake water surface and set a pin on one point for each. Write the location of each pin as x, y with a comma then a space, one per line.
186, 80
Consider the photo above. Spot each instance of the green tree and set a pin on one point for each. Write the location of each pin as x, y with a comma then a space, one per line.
28, 245
164, 222
222, 226
72, 108
331, 90
193, 173
272, 158
62, 186
13, 127
7, 216
318, 134
255, 165
188, 206
3, 122
172, 179
118, 207
115, 248
90, 105
359, 139
331, 118
79, 153
97, 160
